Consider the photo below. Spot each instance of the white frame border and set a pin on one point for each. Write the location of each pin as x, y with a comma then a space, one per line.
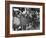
28, 6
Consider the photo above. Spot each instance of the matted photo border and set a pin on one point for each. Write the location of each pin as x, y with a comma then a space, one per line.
28, 31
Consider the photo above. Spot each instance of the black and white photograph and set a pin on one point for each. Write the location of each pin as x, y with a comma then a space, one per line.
25, 18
